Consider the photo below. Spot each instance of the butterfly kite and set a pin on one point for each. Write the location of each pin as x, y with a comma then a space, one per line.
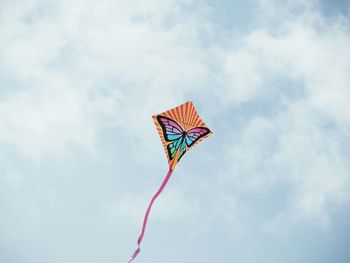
179, 129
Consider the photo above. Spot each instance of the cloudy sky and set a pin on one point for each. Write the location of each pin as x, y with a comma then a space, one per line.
80, 157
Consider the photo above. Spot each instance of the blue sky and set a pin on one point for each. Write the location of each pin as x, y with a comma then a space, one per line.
80, 157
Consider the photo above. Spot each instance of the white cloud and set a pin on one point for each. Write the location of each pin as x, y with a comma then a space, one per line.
78, 64
46, 120
303, 143
242, 80
87, 66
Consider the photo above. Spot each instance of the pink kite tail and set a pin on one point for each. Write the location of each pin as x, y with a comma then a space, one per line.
139, 240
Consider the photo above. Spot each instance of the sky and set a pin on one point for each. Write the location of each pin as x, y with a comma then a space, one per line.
80, 157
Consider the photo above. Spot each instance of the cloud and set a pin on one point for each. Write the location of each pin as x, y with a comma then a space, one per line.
80, 76
46, 120
89, 75
302, 142
70, 71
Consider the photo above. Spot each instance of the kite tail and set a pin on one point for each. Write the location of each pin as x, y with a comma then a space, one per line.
139, 240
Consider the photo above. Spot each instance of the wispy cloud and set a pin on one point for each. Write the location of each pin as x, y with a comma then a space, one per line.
79, 82
303, 141
78, 64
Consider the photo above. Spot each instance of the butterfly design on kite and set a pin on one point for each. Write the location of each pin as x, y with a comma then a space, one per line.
179, 138
179, 129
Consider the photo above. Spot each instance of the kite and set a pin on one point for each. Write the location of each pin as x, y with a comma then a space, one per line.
180, 129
